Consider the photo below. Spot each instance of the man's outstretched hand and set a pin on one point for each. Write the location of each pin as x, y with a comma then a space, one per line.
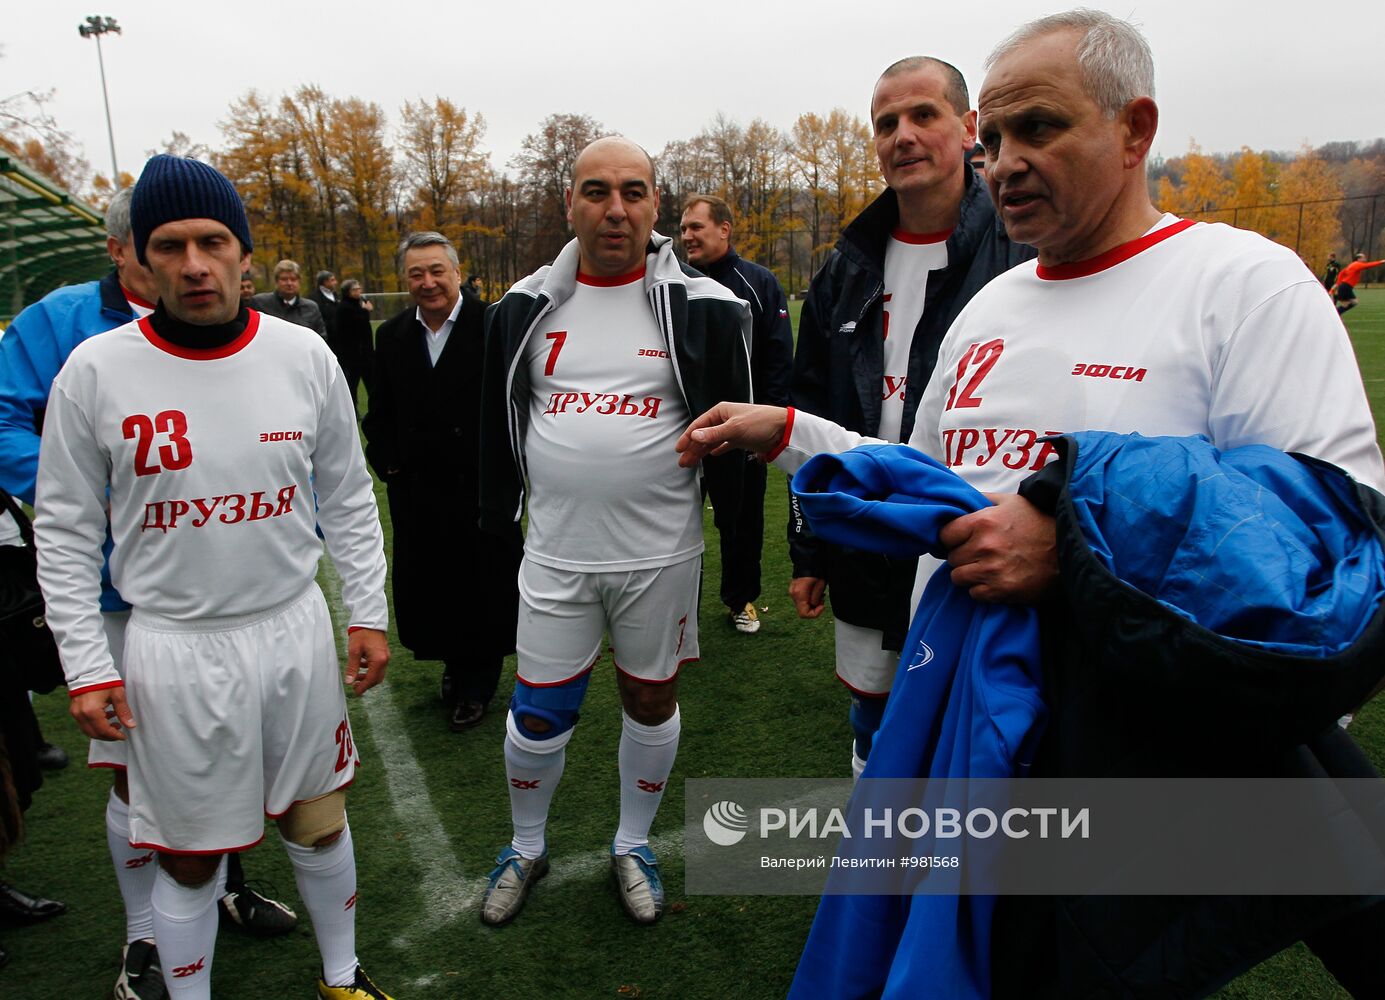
755, 428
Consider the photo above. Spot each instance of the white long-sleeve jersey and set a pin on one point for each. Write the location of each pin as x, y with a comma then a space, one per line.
211, 460
1191, 329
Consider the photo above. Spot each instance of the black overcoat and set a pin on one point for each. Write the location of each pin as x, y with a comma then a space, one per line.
455, 587
351, 339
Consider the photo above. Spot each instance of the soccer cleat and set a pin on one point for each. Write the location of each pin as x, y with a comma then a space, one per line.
638, 883
141, 976
509, 884
247, 909
361, 988
746, 620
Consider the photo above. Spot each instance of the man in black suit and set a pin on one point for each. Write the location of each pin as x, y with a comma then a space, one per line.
325, 295
421, 439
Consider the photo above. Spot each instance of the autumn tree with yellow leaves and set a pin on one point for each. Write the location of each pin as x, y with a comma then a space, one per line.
1297, 203
334, 183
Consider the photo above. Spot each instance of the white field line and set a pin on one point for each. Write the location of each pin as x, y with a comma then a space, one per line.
447, 894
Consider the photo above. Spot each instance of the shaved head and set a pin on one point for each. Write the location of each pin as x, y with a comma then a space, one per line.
609, 142
612, 205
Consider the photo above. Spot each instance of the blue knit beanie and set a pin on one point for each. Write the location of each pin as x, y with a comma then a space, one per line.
172, 188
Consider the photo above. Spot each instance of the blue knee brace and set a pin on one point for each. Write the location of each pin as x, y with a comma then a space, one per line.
865, 716
555, 704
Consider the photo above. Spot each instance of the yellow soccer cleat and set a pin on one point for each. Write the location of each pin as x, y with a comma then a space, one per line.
361, 988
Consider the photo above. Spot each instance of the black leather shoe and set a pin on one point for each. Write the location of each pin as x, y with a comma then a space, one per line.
467, 715
448, 688
18, 909
51, 758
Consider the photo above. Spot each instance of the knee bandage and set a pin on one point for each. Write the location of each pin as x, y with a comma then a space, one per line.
308, 822
555, 704
865, 716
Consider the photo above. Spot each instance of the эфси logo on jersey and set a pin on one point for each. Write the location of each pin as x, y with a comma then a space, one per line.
1126, 373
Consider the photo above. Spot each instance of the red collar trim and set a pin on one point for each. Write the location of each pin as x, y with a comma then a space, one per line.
919, 239
195, 354
620, 279
136, 300
1114, 256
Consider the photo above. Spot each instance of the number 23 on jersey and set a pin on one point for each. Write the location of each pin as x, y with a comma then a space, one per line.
162, 437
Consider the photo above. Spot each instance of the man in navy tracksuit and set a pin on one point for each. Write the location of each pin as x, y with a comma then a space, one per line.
868, 340
739, 504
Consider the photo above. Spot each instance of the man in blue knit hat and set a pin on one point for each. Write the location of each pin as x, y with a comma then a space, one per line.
35, 347
216, 440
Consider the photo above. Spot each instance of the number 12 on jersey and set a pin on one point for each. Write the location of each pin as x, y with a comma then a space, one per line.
982, 358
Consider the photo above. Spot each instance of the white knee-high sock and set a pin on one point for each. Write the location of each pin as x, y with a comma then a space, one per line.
646, 760
326, 878
185, 920
135, 869
533, 769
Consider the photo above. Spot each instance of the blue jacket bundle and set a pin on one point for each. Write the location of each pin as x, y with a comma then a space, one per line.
965, 703
1251, 546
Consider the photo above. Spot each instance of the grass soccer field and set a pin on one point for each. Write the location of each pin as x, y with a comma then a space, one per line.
429, 812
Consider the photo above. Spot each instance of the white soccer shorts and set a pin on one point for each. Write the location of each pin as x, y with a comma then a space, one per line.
111, 753
651, 615
861, 664
236, 718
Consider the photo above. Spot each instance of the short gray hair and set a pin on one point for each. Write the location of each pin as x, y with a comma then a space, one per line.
324, 276
1117, 65
118, 215
427, 238
288, 266
954, 84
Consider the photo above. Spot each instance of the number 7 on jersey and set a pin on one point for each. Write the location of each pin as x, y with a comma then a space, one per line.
557, 339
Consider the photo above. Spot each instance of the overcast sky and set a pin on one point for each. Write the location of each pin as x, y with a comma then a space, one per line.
1271, 75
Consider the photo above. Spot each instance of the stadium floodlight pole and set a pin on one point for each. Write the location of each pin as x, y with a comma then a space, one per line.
95, 27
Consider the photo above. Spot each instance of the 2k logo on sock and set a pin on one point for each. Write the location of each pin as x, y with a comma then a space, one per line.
650, 786
183, 971
140, 862
525, 785
350, 902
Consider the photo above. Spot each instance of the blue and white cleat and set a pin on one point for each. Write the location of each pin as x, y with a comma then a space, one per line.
514, 875
638, 883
